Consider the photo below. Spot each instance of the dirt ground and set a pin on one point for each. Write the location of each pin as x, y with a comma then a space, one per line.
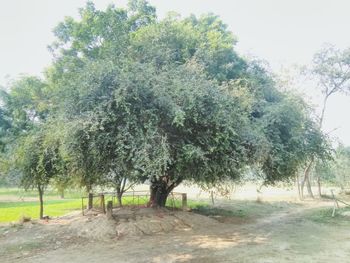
271, 232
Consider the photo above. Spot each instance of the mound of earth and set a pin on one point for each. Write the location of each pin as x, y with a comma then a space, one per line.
136, 222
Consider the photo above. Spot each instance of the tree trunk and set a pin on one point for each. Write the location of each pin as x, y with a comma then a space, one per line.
62, 194
152, 197
160, 189
297, 184
306, 180
88, 188
121, 188
119, 196
41, 193
302, 189
159, 194
309, 189
308, 169
102, 203
319, 186
90, 201
325, 100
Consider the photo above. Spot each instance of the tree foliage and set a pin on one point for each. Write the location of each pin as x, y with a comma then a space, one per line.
335, 171
331, 69
140, 99
38, 160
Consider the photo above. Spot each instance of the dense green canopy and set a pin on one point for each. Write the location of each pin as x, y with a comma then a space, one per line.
136, 98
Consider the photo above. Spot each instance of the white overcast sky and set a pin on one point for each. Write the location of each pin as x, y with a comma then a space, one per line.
283, 32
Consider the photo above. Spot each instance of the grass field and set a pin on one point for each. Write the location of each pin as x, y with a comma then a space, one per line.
16, 203
13, 211
269, 229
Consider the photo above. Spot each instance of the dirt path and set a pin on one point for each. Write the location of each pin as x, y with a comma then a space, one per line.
283, 236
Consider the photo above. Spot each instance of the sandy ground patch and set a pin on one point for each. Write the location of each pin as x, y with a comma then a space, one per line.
284, 236
271, 232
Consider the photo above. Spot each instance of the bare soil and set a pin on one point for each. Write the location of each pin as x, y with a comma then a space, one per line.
281, 233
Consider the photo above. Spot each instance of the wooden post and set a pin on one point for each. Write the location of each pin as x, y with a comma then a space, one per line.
91, 199
184, 202
109, 210
102, 202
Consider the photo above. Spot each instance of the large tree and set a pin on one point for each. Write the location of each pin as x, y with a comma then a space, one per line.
141, 99
151, 104
169, 100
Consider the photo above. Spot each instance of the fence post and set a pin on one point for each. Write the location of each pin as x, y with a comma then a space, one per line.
91, 198
102, 202
184, 201
109, 210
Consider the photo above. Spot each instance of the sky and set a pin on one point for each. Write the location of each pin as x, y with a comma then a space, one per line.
283, 32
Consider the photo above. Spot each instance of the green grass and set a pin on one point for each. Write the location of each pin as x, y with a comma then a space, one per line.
16, 203
13, 211
215, 211
324, 216
12, 206
242, 209
190, 203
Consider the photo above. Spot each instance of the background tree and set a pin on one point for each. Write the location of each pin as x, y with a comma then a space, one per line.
38, 160
341, 167
23, 105
335, 171
331, 68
